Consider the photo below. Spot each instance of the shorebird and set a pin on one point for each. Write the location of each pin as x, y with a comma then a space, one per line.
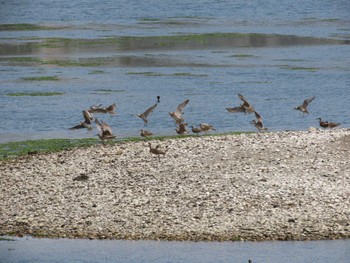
181, 129
258, 123
177, 114
144, 115
156, 150
88, 118
196, 130
303, 107
245, 107
105, 131
326, 124
205, 127
98, 109
146, 133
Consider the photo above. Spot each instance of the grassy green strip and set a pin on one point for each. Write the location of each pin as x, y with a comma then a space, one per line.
35, 94
42, 78
26, 27
15, 149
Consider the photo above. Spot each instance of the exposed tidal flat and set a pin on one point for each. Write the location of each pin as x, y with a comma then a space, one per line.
291, 185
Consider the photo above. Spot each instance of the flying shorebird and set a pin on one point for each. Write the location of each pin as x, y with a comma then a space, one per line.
205, 127
196, 130
177, 114
326, 124
144, 115
156, 150
105, 130
181, 129
88, 118
98, 109
303, 107
245, 107
146, 133
258, 123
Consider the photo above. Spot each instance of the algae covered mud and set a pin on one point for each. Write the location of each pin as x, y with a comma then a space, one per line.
57, 63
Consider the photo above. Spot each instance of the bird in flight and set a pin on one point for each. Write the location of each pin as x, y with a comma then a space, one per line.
303, 107
246, 107
144, 115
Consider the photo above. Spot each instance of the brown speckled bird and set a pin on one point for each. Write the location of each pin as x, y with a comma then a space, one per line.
303, 107
327, 124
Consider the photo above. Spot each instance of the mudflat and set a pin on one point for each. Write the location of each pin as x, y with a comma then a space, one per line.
264, 186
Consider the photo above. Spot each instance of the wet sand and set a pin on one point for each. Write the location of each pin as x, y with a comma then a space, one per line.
267, 186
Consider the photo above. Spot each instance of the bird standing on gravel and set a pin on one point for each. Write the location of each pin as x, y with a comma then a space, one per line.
145, 133
156, 150
181, 129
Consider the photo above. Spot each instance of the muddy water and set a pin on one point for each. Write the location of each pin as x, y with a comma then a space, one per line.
128, 52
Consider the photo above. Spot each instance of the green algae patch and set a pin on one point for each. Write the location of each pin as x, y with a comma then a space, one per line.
42, 78
20, 59
109, 90
14, 149
242, 56
34, 94
26, 27
300, 68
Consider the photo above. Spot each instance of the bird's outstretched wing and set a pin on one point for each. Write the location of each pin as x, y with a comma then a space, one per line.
307, 101
182, 105
149, 110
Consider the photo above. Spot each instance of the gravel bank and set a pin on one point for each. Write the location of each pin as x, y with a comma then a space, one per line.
268, 186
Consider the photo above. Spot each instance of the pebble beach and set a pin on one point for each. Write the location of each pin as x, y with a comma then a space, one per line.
292, 185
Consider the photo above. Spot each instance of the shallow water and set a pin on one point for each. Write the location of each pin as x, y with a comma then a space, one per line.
68, 250
274, 72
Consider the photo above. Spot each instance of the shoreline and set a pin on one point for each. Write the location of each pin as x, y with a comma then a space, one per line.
253, 187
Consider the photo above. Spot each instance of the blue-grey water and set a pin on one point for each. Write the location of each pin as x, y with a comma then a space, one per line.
93, 251
274, 75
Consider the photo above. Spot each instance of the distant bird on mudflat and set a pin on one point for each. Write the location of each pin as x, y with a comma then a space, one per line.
258, 123
88, 118
205, 127
177, 114
245, 107
156, 150
181, 129
145, 133
144, 115
105, 131
326, 124
303, 107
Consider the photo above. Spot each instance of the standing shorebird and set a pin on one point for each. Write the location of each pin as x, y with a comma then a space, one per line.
245, 107
181, 129
88, 118
205, 127
145, 133
303, 107
258, 123
156, 150
177, 114
196, 130
144, 115
105, 131
326, 124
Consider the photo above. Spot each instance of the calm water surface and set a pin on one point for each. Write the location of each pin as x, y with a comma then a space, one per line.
65, 250
274, 75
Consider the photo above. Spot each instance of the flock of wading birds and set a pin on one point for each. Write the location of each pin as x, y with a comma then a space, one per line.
245, 107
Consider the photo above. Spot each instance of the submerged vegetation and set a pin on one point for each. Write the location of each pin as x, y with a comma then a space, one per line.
18, 94
43, 78
26, 27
